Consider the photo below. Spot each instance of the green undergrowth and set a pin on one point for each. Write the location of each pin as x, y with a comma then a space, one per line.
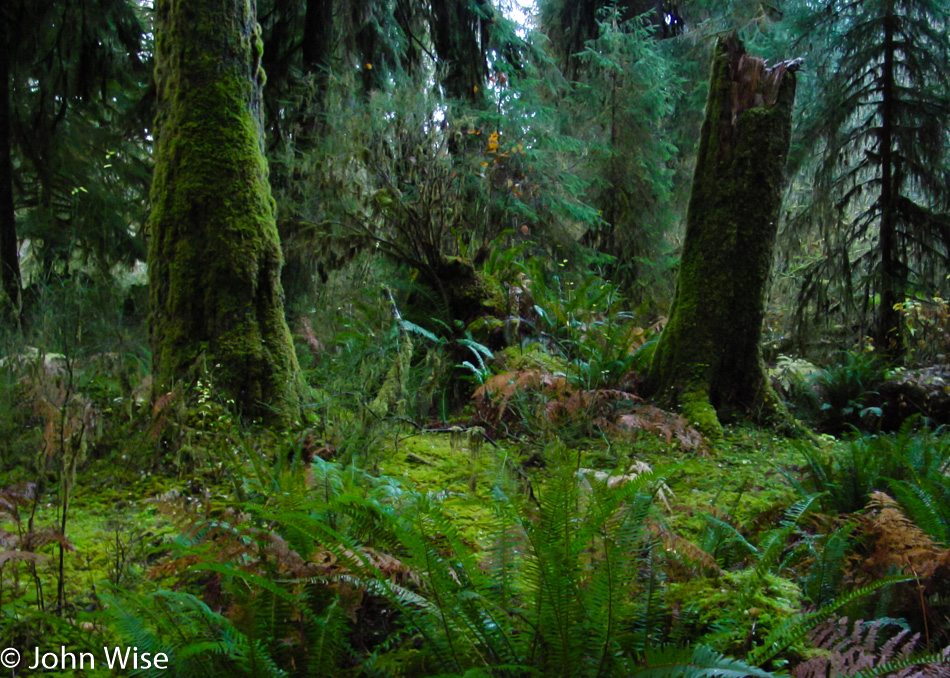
744, 476
380, 542
458, 465
110, 528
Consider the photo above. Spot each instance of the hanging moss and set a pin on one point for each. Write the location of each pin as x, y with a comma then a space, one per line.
708, 360
214, 254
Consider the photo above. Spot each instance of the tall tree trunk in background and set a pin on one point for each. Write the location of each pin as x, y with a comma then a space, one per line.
9, 259
317, 43
888, 335
460, 35
214, 257
316, 49
708, 360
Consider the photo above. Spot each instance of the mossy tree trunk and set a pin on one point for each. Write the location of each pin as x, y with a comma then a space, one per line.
214, 255
708, 360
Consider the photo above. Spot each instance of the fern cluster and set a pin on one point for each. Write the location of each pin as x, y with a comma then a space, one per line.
839, 397
327, 570
196, 640
912, 463
572, 584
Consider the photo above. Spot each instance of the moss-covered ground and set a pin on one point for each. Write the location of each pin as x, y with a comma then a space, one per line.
115, 531
183, 523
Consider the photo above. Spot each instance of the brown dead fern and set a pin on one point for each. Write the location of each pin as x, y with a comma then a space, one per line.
548, 397
897, 544
846, 649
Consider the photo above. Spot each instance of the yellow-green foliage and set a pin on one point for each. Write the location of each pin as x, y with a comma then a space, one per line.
457, 463
531, 356
737, 610
393, 391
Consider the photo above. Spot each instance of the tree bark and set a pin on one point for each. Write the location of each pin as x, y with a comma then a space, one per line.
9, 257
888, 332
317, 43
214, 255
460, 35
708, 359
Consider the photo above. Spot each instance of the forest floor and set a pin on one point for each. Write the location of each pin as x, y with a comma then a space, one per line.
115, 531
121, 539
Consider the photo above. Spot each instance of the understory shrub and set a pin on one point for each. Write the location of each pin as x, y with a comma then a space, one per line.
838, 398
847, 473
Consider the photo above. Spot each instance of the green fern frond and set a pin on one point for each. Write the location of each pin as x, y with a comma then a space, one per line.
253, 580
721, 533
772, 546
828, 566
197, 641
699, 662
649, 608
795, 512
920, 504
795, 630
935, 658
421, 331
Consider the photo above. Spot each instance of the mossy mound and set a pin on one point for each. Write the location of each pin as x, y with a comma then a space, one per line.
459, 466
737, 610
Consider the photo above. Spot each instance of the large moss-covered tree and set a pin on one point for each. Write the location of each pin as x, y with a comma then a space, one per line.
708, 360
214, 254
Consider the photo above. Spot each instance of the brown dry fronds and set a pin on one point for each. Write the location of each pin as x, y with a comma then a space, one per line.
848, 649
557, 402
898, 544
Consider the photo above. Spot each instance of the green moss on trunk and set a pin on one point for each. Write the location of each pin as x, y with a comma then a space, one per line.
708, 360
214, 255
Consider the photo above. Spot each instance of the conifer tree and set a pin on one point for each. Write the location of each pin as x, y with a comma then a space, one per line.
622, 86
72, 124
572, 23
879, 124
